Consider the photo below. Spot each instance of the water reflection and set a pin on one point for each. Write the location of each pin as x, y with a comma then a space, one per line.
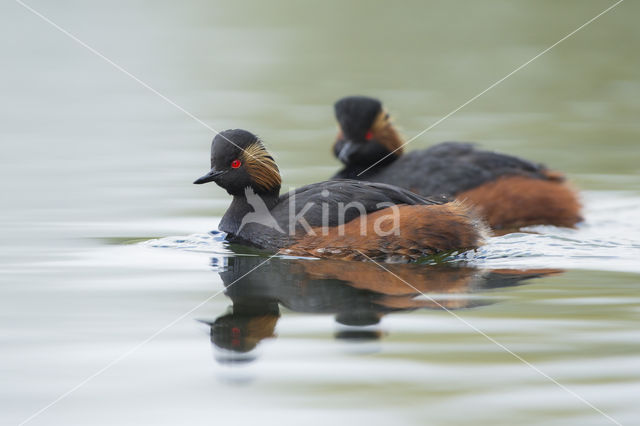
359, 294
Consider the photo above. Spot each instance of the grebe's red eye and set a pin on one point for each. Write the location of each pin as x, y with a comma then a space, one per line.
369, 135
235, 164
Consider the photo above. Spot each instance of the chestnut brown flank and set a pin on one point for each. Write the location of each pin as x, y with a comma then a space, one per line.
424, 230
515, 201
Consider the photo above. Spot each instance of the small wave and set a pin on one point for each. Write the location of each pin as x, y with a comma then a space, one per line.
212, 242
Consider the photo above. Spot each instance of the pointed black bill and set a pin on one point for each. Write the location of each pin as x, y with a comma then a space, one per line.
211, 176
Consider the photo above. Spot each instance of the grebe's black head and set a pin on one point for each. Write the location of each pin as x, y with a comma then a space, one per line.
240, 160
356, 115
366, 133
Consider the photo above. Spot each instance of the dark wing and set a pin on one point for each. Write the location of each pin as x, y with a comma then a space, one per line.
345, 199
453, 167
467, 153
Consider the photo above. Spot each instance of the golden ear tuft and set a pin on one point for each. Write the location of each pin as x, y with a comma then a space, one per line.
386, 134
261, 166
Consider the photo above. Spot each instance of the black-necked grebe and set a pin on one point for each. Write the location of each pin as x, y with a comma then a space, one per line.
341, 218
507, 191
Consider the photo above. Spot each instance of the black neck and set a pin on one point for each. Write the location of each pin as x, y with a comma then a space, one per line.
353, 171
370, 152
239, 207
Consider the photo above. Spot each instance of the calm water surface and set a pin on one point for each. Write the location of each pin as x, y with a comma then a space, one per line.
107, 244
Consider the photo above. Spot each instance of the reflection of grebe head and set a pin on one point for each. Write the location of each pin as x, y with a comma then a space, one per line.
242, 333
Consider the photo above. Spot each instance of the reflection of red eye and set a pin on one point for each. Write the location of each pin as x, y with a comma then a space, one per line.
369, 135
235, 164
